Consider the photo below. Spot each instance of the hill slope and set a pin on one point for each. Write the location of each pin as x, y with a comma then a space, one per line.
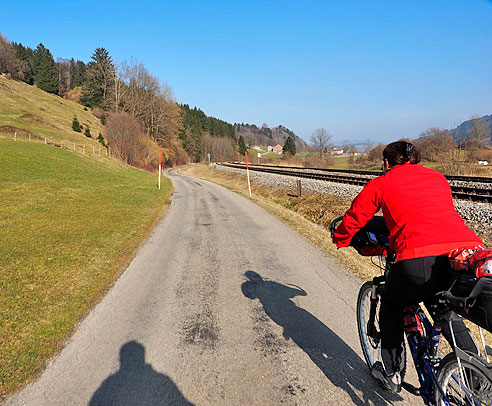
28, 110
464, 130
268, 136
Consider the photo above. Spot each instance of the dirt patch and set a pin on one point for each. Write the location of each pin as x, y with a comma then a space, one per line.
35, 119
5, 87
19, 130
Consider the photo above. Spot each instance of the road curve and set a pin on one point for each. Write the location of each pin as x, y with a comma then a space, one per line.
223, 305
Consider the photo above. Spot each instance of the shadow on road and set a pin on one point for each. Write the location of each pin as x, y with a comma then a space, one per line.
340, 364
136, 383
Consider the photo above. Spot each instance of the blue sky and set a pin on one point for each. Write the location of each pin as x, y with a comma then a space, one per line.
361, 69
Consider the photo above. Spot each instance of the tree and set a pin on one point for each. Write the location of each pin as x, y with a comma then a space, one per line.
44, 69
435, 143
99, 84
77, 73
25, 56
241, 145
64, 77
76, 124
150, 101
349, 148
289, 146
320, 140
8, 63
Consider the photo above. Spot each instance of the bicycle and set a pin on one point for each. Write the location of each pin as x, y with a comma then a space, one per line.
459, 378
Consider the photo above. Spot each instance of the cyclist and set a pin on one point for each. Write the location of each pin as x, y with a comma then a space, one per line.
423, 227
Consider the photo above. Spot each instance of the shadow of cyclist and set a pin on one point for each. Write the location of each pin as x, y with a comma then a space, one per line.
340, 364
136, 383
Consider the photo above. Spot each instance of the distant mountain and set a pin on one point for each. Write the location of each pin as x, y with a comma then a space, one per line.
265, 135
464, 130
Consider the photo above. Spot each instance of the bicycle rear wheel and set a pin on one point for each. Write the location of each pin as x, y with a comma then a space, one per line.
470, 386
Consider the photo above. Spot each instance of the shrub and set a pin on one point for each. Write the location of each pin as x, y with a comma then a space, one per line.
75, 94
85, 108
103, 119
76, 125
127, 142
100, 138
88, 133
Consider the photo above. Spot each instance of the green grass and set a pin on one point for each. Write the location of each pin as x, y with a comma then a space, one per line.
70, 223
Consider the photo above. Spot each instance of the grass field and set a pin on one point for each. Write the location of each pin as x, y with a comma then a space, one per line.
70, 223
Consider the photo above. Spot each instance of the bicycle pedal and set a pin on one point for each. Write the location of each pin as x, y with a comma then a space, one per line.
410, 388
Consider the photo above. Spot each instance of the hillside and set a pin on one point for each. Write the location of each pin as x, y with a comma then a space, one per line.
267, 136
465, 129
28, 110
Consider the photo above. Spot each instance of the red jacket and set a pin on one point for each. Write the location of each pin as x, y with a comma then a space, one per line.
418, 209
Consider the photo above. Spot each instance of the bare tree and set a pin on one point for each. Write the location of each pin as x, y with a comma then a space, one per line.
64, 77
349, 148
435, 143
219, 148
8, 62
151, 102
320, 140
126, 140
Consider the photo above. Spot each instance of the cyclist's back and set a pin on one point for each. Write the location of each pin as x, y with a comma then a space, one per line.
418, 209
424, 226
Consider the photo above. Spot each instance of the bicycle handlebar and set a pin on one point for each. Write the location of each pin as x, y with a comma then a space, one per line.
334, 224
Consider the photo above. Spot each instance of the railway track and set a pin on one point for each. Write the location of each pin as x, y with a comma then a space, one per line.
477, 194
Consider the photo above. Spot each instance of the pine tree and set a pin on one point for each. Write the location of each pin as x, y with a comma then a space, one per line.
76, 125
99, 83
289, 146
44, 69
242, 148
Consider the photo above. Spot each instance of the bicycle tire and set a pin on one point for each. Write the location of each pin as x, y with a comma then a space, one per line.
371, 348
475, 387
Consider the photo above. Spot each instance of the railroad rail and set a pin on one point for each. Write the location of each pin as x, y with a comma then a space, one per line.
346, 176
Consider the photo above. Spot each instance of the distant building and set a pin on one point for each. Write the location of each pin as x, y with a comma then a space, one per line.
269, 148
257, 148
335, 151
278, 149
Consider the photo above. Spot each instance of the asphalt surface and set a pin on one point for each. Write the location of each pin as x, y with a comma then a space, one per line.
223, 305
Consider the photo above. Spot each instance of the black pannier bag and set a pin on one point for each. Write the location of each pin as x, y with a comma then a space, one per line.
480, 312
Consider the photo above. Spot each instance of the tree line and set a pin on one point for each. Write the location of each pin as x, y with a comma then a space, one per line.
127, 89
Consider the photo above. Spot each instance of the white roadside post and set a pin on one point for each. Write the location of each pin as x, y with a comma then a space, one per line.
29, 137
247, 172
160, 153
209, 163
259, 156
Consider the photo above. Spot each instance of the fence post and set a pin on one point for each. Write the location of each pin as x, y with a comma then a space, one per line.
83, 149
299, 189
93, 150
29, 137
74, 147
15, 136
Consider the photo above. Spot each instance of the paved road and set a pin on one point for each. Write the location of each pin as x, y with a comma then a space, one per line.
224, 305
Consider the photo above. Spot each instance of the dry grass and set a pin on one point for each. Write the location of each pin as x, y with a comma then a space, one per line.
310, 216
28, 110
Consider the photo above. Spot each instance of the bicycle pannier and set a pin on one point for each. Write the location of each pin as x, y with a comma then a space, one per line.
481, 311
481, 263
